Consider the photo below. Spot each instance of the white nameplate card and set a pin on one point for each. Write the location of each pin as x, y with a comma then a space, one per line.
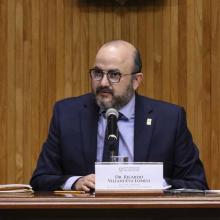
128, 176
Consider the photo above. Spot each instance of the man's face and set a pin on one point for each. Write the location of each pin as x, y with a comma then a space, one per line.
109, 94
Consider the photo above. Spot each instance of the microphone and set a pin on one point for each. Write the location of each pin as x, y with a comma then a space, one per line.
112, 128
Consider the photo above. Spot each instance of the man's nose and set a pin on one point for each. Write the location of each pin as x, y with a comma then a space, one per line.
104, 81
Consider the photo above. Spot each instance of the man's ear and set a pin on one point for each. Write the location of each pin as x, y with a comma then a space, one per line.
137, 79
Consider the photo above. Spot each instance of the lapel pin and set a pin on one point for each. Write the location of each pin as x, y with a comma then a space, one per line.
149, 121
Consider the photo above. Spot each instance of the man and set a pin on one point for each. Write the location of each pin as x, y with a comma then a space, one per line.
153, 131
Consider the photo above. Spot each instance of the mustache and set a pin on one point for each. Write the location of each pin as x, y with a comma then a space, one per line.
104, 89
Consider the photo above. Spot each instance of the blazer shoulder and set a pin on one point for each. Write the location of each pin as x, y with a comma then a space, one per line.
160, 106
76, 102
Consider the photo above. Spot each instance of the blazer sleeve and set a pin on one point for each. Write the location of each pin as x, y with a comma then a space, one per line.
48, 174
188, 170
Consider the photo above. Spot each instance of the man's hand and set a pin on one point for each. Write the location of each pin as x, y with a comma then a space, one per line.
85, 183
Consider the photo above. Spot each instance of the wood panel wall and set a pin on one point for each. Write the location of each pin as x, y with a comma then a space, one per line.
47, 47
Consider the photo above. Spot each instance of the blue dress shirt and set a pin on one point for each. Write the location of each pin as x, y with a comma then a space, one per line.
126, 132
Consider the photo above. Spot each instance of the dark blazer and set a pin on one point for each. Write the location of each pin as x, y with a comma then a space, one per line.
70, 149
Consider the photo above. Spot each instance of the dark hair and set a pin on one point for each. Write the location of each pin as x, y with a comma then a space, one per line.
137, 61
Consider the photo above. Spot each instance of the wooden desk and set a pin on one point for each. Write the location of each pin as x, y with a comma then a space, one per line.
50, 206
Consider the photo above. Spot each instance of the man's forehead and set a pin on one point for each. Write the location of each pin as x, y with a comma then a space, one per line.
111, 63
117, 55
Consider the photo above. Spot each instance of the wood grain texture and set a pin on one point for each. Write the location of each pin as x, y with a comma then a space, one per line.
47, 47
10, 91
3, 89
134, 205
215, 93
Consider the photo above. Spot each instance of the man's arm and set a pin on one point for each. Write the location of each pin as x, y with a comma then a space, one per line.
49, 174
85, 183
188, 171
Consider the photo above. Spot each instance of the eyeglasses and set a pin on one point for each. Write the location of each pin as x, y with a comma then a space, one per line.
112, 75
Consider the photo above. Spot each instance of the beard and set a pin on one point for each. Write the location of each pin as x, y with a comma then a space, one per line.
117, 101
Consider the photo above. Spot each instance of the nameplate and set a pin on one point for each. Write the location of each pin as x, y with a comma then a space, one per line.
128, 176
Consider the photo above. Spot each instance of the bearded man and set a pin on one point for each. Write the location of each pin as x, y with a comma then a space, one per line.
152, 131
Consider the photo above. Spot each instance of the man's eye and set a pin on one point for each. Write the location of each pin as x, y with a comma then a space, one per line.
114, 75
98, 73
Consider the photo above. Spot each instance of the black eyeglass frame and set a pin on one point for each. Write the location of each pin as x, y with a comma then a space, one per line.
107, 74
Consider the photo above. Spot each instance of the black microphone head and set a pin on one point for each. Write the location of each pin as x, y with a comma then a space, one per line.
112, 128
111, 111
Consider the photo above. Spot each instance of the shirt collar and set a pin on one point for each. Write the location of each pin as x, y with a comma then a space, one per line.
128, 109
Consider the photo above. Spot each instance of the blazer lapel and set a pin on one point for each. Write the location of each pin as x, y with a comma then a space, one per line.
143, 128
89, 125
